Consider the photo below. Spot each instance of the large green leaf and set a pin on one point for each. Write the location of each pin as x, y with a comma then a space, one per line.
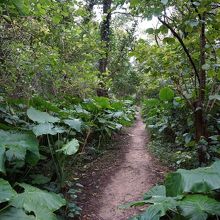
70, 148
41, 117
103, 102
17, 144
39, 179
6, 191
16, 151
20, 6
41, 212
199, 207
160, 203
166, 94
117, 114
152, 213
47, 128
90, 105
117, 105
160, 206
133, 204
41, 202
163, 204
15, 214
159, 190
74, 123
214, 97
200, 180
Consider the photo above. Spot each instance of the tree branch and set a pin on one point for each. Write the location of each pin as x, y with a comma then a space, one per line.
196, 10
175, 34
179, 90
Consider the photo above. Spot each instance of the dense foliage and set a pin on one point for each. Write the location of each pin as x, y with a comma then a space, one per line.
181, 72
38, 143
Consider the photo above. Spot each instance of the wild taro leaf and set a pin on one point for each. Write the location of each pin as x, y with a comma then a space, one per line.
2, 159
44, 104
159, 190
112, 125
159, 208
128, 102
15, 214
115, 114
198, 207
102, 120
133, 204
41, 129
70, 148
90, 105
41, 117
39, 179
160, 203
166, 94
16, 152
74, 123
117, 105
6, 191
58, 130
79, 109
103, 102
41, 212
200, 180
118, 126
152, 213
17, 144
163, 204
124, 121
41, 202
47, 128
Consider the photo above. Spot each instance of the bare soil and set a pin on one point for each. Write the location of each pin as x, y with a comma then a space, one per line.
121, 175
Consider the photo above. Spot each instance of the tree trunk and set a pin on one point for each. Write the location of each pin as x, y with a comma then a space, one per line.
200, 117
199, 121
105, 38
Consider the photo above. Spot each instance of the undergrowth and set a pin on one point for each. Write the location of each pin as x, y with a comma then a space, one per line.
41, 140
172, 157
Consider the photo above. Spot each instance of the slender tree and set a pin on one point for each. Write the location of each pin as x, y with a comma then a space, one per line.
105, 33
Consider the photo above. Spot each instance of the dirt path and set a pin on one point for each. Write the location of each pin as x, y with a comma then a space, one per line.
121, 176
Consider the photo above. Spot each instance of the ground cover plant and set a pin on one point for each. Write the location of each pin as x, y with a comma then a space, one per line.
186, 194
33, 139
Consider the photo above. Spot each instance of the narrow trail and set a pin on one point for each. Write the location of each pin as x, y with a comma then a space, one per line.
120, 177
